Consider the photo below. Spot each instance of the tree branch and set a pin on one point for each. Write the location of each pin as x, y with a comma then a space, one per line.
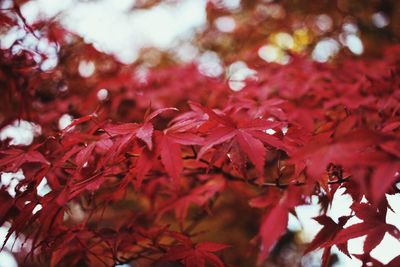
253, 181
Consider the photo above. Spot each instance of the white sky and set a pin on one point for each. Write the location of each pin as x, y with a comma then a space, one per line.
114, 29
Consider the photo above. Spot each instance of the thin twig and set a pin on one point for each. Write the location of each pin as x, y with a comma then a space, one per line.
253, 181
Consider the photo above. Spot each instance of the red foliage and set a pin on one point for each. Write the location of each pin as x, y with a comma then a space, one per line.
128, 162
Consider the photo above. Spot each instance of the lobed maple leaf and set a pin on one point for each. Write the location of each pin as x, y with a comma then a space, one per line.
326, 234
374, 226
180, 202
275, 221
194, 255
13, 159
323, 150
248, 134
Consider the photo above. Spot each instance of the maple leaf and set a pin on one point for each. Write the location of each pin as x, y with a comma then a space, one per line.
374, 226
122, 129
78, 121
199, 196
23, 218
14, 158
323, 150
171, 157
169, 145
326, 234
195, 255
157, 112
142, 131
145, 133
246, 133
384, 176
275, 222
143, 165
83, 156
272, 228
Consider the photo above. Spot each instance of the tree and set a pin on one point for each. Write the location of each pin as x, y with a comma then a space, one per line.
184, 169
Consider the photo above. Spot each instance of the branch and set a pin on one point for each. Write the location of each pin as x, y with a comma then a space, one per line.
253, 181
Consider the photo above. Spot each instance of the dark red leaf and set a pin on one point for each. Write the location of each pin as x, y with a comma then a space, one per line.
171, 157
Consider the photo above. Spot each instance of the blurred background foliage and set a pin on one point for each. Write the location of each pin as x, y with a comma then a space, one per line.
297, 26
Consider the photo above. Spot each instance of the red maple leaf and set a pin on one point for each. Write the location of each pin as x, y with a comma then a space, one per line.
326, 234
374, 226
249, 135
194, 255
